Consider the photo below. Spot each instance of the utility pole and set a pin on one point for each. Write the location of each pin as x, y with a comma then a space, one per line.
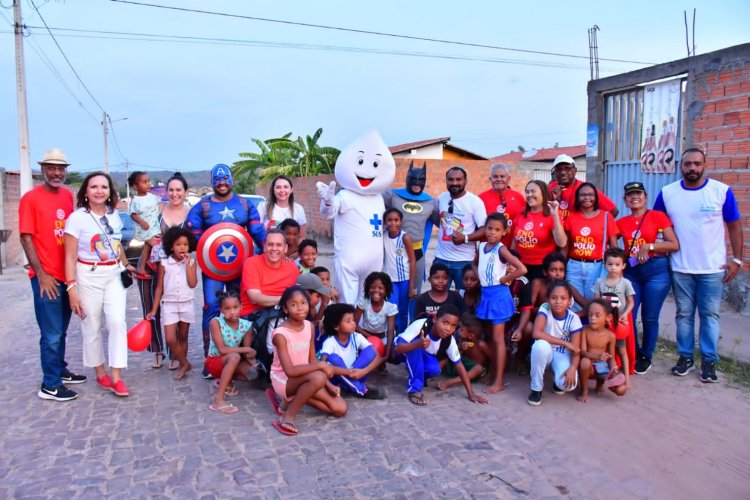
127, 184
24, 155
106, 153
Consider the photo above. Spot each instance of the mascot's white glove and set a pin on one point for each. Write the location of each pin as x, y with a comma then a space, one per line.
326, 192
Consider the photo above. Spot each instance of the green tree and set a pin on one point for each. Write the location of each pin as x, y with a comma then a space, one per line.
283, 155
73, 178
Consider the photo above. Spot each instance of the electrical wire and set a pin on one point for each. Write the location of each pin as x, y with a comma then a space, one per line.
369, 32
114, 136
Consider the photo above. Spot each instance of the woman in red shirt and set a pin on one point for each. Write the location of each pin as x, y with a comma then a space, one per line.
648, 237
585, 227
537, 230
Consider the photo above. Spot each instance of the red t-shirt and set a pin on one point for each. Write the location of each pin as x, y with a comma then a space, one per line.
628, 225
533, 236
510, 203
42, 214
258, 275
568, 199
586, 235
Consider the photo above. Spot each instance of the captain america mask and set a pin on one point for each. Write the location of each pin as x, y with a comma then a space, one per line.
221, 174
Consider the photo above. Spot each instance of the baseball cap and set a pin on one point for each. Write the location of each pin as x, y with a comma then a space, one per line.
632, 187
563, 159
310, 281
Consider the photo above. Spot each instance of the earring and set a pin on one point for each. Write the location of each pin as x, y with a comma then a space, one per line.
109, 199
86, 199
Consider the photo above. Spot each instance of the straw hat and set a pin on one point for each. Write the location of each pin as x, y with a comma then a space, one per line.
54, 156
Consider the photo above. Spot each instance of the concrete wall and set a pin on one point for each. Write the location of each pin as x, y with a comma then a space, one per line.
426, 152
11, 195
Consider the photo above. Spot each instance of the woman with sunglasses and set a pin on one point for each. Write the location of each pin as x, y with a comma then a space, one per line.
94, 261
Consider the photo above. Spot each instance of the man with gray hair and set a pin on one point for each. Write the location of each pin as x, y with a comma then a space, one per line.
501, 198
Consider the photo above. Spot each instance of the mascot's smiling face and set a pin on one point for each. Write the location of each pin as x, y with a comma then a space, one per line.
366, 166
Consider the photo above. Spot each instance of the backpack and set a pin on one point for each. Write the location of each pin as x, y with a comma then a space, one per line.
264, 322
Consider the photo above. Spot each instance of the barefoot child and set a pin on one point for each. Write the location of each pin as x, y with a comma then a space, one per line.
400, 264
297, 377
476, 354
176, 280
557, 332
375, 316
496, 304
472, 290
430, 301
420, 345
598, 353
619, 291
291, 229
345, 348
144, 210
230, 356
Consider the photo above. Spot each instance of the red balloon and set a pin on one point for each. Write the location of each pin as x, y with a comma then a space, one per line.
139, 337
377, 344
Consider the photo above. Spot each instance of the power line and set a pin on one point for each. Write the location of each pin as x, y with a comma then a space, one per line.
377, 33
114, 136
66, 57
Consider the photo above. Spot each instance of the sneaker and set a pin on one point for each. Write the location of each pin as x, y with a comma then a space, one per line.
61, 393
642, 365
206, 375
73, 378
708, 373
557, 390
105, 382
535, 398
375, 393
120, 389
683, 367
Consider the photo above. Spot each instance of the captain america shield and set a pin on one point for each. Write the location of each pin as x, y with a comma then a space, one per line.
222, 250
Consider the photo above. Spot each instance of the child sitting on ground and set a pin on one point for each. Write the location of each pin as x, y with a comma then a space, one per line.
476, 354
517, 340
230, 356
374, 315
419, 346
598, 353
296, 375
345, 348
619, 291
291, 229
472, 291
144, 210
557, 332
553, 268
308, 254
430, 301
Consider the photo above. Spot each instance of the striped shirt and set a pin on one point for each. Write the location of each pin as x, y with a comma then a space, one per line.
396, 260
561, 328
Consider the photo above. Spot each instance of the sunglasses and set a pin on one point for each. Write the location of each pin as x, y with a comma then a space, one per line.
105, 223
450, 206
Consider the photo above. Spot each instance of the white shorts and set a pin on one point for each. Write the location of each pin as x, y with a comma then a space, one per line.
174, 312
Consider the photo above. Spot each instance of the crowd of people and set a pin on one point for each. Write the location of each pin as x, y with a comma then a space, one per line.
545, 279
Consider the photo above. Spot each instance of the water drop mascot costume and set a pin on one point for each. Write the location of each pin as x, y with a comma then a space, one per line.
365, 170
222, 206
419, 209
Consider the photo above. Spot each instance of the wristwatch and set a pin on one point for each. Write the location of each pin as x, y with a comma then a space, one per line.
466, 238
737, 261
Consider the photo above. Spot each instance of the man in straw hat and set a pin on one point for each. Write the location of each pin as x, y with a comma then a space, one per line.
42, 215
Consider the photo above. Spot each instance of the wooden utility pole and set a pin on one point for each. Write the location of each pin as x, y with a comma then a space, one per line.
24, 156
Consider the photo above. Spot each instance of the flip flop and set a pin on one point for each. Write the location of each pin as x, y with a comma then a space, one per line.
286, 428
227, 409
271, 395
231, 391
159, 360
417, 400
173, 364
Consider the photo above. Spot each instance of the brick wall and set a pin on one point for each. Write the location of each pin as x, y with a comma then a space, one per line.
722, 130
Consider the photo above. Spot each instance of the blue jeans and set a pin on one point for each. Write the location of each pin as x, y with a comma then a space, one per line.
582, 276
211, 303
53, 318
702, 292
651, 281
455, 271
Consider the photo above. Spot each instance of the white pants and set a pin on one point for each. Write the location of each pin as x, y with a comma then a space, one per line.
542, 356
101, 292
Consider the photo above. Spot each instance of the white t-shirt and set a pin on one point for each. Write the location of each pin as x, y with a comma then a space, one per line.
412, 332
278, 214
375, 322
560, 328
467, 214
349, 352
94, 244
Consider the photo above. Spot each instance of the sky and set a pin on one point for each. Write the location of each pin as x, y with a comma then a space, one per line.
191, 104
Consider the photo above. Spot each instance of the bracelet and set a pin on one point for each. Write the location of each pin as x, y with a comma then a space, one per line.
71, 286
70, 282
466, 238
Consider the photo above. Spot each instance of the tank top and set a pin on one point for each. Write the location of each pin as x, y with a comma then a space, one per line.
230, 336
396, 260
491, 267
298, 348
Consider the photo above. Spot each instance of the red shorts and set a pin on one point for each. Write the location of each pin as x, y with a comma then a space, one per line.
214, 365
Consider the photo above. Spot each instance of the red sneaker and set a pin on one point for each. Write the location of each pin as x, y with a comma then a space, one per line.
120, 389
105, 382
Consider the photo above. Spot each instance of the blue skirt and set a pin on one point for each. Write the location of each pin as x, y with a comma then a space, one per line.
496, 304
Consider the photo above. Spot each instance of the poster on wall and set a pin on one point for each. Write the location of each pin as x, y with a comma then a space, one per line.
661, 105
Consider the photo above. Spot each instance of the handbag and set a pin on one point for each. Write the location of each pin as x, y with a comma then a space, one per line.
125, 278
632, 262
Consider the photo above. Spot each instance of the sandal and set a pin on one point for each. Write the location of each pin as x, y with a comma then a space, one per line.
173, 364
227, 409
271, 395
286, 428
159, 360
417, 400
231, 391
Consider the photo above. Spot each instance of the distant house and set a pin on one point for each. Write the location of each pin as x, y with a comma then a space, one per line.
540, 160
434, 149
